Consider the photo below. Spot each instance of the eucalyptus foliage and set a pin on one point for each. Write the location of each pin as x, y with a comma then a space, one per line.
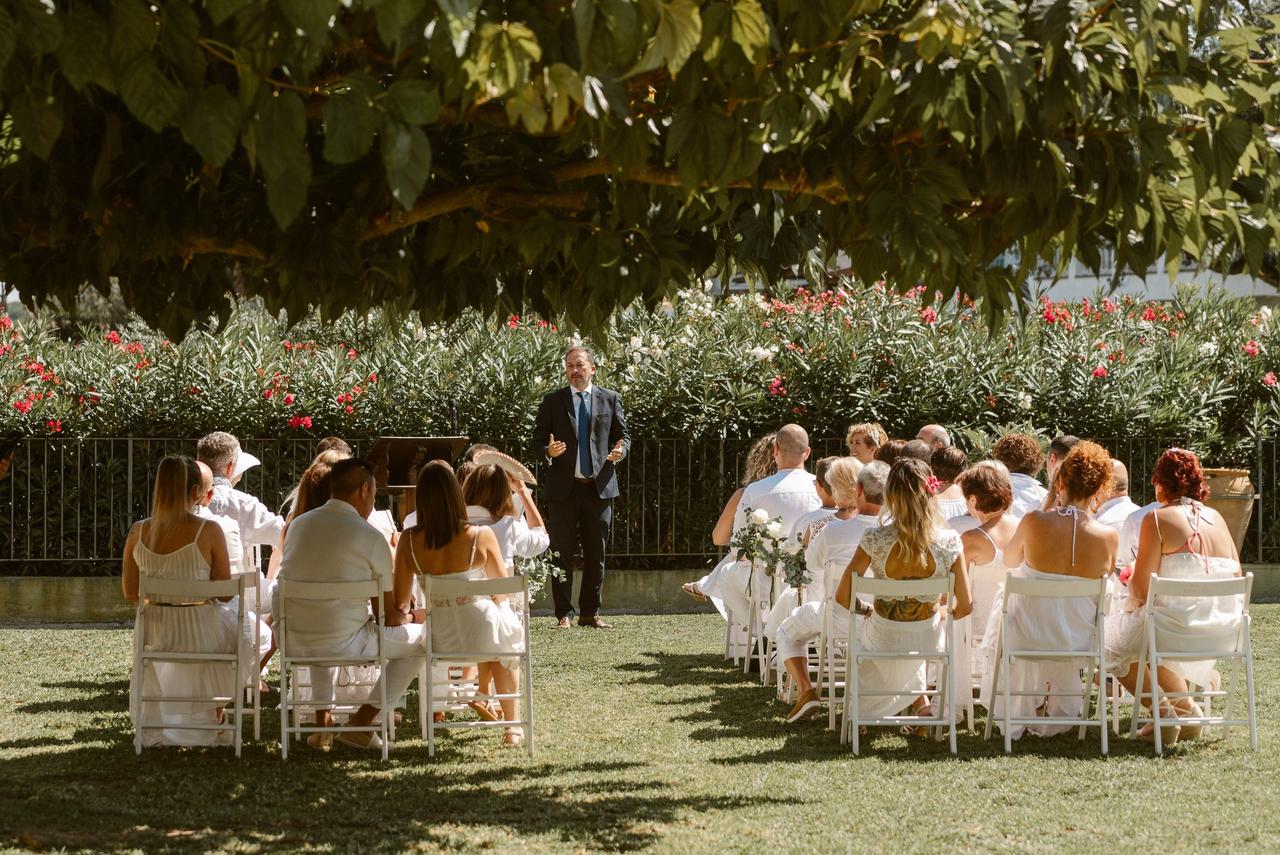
577, 156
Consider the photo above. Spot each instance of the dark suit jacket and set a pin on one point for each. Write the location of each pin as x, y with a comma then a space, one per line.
558, 415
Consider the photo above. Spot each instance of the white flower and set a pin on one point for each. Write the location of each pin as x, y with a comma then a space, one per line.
1264, 315
1209, 348
791, 546
761, 353
636, 341
774, 528
1024, 400
759, 516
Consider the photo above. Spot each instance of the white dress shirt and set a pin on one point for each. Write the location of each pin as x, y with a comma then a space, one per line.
515, 538
1129, 531
1028, 495
577, 402
1114, 512
832, 549
789, 494
230, 531
332, 543
258, 525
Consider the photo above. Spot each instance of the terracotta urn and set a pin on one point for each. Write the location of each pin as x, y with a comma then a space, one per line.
1232, 495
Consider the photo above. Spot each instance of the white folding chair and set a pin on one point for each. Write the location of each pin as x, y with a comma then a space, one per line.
362, 591
253, 580
1233, 644
830, 678
177, 591
1018, 586
434, 588
941, 697
759, 601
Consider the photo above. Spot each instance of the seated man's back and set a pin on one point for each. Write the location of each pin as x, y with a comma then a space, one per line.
789, 494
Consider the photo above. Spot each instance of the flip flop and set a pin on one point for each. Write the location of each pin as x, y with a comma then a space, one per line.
691, 588
484, 711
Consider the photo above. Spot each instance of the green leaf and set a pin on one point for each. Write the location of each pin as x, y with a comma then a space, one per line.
280, 129
133, 32
80, 55
528, 107
414, 102
679, 31
349, 125
287, 189
8, 37
38, 121
751, 30
212, 124
460, 16
394, 15
152, 97
310, 16
221, 10
41, 26
406, 157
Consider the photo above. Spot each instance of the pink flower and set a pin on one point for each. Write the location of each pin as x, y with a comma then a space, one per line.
288, 345
513, 321
289, 399
373, 377
349, 409
23, 407
306, 422
134, 347
1269, 379
113, 337
54, 425
1252, 348
1149, 313
776, 389
932, 485
928, 315
351, 353
267, 393
1100, 371
6, 322
1108, 305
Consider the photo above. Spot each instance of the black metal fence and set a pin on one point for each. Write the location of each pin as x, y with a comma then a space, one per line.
70, 502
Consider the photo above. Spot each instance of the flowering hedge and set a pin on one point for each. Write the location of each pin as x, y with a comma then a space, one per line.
1201, 367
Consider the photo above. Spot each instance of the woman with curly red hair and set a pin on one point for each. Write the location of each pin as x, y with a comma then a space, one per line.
1182, 539
1051, 544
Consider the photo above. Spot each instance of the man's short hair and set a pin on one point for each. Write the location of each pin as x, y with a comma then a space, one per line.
1019, 453
1062, 445
206, 478
872, 479
577, 348
947, 463
792, 440
348, 476
334, 443
936, 433
1119, 477
218, 450
820, 471
919, 449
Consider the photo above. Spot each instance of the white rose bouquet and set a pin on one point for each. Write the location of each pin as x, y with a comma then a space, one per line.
789, 559
758, 539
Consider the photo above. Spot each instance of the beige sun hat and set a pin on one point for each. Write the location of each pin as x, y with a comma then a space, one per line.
506, 463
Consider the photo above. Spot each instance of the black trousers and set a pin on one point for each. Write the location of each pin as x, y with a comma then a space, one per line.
580, 519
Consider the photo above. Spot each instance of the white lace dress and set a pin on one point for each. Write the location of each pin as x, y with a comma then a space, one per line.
878, 632
473, 624
208, 627
1182, 623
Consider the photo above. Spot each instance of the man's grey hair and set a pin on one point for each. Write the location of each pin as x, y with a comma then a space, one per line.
936, 434
1119, 477
872, 479
218, 450
577, 348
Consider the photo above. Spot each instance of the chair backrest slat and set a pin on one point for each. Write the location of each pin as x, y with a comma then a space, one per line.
1066, 587
361, 589
1199, 587
435, 586
896, 588
154, 586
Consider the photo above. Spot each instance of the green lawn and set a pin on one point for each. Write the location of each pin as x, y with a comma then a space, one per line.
646, 740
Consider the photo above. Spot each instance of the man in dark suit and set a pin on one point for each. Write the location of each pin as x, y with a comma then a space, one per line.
582, 432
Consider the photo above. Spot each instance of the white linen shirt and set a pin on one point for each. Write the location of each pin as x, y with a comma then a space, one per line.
258, 525
1129, 531
789, 494
1114, 512
1028, 495
332, 543
832, 549
231, 532
516, 538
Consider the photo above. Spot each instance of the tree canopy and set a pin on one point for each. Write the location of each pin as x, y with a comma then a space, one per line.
429, 155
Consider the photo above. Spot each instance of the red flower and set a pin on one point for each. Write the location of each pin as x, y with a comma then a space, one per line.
373, 377
288, 345
306, 422
1269, 379
1252, 348
194, 390
23, 407
351, 353
349, 409
1100, 371
513, 321
54, 425
6, 322
929, 315
1149, 313
776, 389
297, 422
134, 347
289, 399
1108, 305
113, 337
932, 485
267, 393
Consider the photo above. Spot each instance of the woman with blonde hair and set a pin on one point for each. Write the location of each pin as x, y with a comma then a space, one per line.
916, 545
864, 439
759, 464
174, 543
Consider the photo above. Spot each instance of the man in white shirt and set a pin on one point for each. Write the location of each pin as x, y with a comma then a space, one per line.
334, 543
1021, 455
220, 451
788, 494
828, 555
230, 529
1116, 509
1127, 553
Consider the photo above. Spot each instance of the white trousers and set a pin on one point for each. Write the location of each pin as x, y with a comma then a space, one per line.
402, 645
805, 626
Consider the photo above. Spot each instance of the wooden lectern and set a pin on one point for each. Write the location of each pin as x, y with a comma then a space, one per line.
397, 460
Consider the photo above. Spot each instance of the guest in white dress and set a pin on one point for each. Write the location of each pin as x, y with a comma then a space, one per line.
1022, 456
828, 554
759, 464
490, 494
1182, 539
916, 545
788, 495
946, 464
335, 543
447, 546
988, 495
864, 440
174, 543
1064, 541
807, 527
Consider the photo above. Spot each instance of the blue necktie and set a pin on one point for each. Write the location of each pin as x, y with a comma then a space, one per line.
584, 436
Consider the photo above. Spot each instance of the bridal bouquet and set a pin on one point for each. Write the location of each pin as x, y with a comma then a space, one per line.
758, 539
537, 570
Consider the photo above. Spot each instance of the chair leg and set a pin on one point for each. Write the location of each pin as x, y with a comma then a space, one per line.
995, 687
1137, 690
1086, 687
1248, 685
1008, 704
284, 710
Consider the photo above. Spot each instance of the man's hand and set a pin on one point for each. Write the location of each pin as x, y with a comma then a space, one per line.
555, 448
616, 454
